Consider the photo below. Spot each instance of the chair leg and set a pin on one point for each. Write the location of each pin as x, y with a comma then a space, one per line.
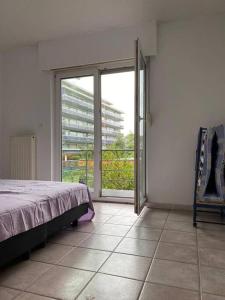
222, 214
194, 216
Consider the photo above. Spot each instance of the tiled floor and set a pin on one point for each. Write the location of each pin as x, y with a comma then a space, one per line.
158, 256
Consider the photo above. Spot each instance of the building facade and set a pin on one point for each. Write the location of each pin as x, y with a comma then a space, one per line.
78, 119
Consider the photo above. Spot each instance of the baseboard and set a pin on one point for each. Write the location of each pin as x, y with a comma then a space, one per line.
169, 206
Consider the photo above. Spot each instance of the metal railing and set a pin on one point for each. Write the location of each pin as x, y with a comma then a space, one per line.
87, 129
117, 168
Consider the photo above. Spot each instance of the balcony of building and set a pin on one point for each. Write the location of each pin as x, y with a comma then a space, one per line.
70, 139
87, 129
88, 107
75, 115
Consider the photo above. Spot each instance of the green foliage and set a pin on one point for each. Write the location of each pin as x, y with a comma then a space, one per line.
123, 142
117, 165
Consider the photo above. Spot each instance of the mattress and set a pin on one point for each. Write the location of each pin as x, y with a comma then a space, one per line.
25, 204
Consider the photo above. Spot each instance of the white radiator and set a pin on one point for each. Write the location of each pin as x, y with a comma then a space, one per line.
23, 157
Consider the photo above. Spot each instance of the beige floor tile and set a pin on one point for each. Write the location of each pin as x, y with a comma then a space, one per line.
157, 213
106, 287
108, 210
180, 215
112, 229
87, 259
21, 275
51, 253
179, 237
212, 257
70, 238
211, 239
126, 212
137, 247
213, 280
211, 297
8, 294
113, 205
152, 222
62, 283
29, 296
211, 217
161, 292
122, 220
173, 273
144, 233
101, 218
126, 209
131, 266
180, 226
208, 226
88, 227
101, 242
177, 252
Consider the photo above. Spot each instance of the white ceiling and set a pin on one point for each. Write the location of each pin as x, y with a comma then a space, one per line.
25, 22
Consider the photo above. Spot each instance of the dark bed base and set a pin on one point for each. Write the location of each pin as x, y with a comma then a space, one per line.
23, 243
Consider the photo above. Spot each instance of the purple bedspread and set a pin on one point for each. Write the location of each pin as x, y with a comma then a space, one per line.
25, 204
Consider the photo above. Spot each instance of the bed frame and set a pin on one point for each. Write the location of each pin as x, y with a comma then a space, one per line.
22, 244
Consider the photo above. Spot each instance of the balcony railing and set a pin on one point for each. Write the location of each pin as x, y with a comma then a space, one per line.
87, 129
72, 114
117, 168
68, 139
83, 105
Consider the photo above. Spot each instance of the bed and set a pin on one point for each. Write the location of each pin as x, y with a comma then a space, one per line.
31, 211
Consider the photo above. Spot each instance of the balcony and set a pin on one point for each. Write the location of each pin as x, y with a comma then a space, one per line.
78, 128
77, 139
86, 129
75, 115
77, 102
68, 139
83, 105
117, 170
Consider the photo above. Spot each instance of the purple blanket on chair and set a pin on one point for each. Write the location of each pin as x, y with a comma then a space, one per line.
25, 204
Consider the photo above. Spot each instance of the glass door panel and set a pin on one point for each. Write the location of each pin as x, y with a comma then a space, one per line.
140, 129
117, 129
77, 125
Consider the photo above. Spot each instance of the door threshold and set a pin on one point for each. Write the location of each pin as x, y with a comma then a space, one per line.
114, 200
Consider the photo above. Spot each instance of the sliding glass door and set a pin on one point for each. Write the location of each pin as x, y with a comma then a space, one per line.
96, 109
101, 130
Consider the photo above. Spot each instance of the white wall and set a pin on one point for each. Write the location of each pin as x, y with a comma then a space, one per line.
97, 47
187, 91
27, 105
1, 121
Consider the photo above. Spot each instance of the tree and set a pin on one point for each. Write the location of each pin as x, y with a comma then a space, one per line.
122, 142
117, 165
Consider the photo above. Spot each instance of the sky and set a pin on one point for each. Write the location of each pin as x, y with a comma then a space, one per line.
117, 88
